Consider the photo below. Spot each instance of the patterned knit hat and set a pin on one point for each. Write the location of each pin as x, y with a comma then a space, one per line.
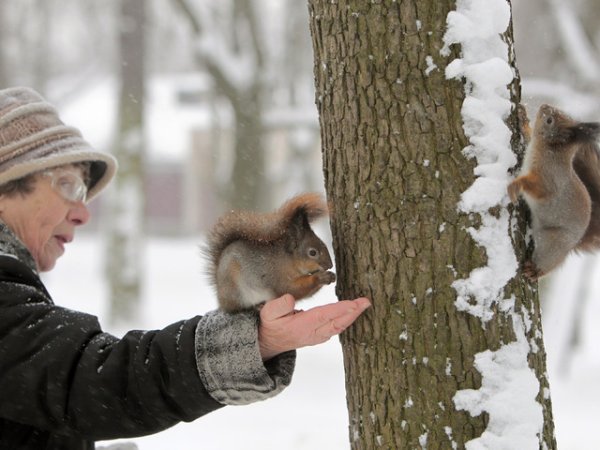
33, 138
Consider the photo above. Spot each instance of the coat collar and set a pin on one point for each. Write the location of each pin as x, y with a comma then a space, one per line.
11, 245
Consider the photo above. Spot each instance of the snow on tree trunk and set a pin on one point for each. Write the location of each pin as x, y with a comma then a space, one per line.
451, 354
123, 263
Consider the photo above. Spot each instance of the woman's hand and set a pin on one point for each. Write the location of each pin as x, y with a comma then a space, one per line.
282, 328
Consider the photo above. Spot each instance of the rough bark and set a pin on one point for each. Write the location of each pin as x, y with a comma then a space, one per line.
392, 142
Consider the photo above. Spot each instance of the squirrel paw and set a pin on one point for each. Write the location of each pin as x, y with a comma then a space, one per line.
326, 277
514, 188
531, 271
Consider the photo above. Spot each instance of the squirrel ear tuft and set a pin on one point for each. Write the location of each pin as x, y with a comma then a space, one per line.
296, 229
299, 223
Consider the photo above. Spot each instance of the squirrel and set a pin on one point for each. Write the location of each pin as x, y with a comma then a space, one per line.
255, 257
560, 182
587, 168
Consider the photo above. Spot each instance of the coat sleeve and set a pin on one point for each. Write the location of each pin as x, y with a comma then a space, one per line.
60, 372
238, 376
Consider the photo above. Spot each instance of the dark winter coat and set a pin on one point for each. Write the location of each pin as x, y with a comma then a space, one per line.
64, 383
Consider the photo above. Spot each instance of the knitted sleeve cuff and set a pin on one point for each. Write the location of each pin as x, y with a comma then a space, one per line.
229, 361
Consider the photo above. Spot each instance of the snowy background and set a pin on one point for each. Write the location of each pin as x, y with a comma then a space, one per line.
66, 49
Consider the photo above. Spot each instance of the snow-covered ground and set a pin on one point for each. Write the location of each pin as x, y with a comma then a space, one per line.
574, 373
311, 413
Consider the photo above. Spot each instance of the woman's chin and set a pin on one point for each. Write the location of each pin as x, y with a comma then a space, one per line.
48, 261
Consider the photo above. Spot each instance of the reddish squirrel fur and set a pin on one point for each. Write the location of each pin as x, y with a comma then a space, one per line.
560, 181
255, 257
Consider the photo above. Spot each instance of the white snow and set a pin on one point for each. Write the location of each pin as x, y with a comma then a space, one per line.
507, 394
484, 65
423, 441
431, 66
509, 386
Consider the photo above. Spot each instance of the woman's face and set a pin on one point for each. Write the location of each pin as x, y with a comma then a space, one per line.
45, 219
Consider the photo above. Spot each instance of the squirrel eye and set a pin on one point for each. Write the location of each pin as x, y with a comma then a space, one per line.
549, 120
313, 252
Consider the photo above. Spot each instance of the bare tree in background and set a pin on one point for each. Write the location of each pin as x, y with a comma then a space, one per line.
125, 236
297, 79
40, 47
392, 143
44, 42
257, 54
25, 42
4, 61
229, 44
563, 66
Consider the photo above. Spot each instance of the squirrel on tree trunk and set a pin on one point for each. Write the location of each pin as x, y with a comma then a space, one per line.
560, 182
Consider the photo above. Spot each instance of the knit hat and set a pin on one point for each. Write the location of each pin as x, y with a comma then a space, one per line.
33, 138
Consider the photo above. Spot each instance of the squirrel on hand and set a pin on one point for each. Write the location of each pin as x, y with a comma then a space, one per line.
255, 257
560, 182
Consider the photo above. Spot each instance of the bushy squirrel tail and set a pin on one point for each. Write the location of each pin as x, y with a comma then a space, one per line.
587, 167
586, 132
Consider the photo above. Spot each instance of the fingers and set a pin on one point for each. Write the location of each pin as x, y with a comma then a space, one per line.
328, 320
335, 320
282, 328
334, 311
277, 308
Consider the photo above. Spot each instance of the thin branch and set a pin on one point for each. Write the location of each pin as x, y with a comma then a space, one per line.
205, 58
562, 94
575, 42
255, 34
186, 10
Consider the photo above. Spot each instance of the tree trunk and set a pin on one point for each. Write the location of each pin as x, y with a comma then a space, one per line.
247, 186
4, 37
42, 62
127, 199
392, 137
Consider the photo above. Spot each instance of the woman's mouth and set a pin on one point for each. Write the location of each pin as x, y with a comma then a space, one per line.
62, 240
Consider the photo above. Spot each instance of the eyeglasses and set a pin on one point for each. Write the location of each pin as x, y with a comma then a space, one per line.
68, 184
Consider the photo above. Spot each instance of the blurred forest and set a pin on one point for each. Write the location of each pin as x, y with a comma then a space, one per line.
229, 118
252, 63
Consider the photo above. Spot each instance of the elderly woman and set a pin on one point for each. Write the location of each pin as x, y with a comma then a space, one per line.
65, 383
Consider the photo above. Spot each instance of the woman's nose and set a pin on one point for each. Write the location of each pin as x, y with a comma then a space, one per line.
79, 214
